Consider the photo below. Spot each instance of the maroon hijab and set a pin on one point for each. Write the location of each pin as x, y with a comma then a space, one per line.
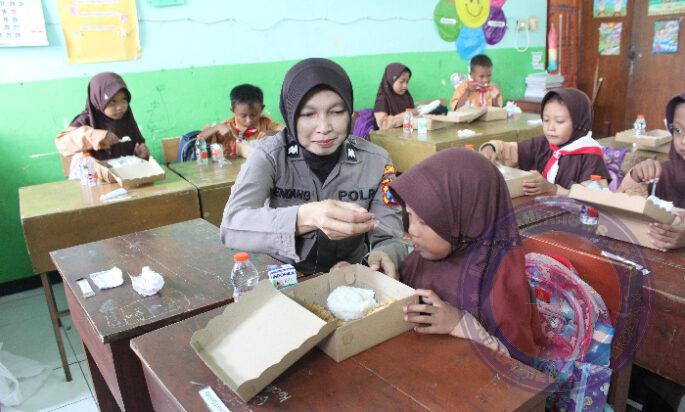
387, 101
671, 185
465, 200
101, 88
534, 153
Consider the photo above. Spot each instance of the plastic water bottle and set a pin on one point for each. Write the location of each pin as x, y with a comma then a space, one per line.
201, 155
407, 126
422, 128
88, 171
640, 125
244, 275
589, 215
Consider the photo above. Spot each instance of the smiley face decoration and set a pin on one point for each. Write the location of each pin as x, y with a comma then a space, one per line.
471, 24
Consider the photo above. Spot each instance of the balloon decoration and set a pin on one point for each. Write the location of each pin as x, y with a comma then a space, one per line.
473, 23
471, 42
446, 20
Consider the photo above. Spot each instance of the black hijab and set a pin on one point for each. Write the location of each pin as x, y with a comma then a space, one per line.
301, 79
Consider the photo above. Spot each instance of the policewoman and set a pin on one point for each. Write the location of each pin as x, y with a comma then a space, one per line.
311, 194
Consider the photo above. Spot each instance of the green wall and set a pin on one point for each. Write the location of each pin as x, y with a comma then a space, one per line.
171, 102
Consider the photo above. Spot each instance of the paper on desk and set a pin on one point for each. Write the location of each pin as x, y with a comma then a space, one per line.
108, 279
148, 282
113, 195
535, 121
466, 133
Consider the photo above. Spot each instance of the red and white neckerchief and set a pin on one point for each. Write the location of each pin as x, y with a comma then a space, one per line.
583, 145
240, 136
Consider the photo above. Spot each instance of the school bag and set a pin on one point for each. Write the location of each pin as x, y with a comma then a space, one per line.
364, 124
577, 323
186, 147
613, 158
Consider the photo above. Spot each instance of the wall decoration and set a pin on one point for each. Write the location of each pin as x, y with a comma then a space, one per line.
610, 39
22, 24
471, 42
660, 7
666, 36
99, 31
473, 23
473, 13
610, 8
446, 20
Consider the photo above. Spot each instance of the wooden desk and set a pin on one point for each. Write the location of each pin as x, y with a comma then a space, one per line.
62, 214
196, 268
637, 155
410, 372
406, 151
530, 212
662, 349
213, 184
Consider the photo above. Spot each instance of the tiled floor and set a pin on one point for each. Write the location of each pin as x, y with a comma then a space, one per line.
25, 330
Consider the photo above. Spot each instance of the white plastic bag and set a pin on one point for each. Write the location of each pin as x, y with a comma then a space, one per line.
20, 378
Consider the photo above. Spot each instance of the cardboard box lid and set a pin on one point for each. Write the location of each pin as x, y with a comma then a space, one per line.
494, 113
636, 205
511, 173
652, 138
147, 171
257, 338
461, 115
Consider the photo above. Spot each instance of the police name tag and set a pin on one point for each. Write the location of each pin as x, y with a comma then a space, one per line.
282, 276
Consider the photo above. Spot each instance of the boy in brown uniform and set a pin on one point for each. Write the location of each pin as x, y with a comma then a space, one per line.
247, 123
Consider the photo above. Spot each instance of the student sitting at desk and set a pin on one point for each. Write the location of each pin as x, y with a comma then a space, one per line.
100, 128
312, 193
393, 97
478, 91
564, 155
463, 227
247, 123
668, 177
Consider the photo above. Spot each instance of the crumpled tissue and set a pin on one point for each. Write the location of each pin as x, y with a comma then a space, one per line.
512, 109
466, 133
148, 282
427, 108
108, 279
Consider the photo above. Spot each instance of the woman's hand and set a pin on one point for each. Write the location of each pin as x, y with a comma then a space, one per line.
338, 220
433, 315
141, 150
646, 171
381, 262
538, 185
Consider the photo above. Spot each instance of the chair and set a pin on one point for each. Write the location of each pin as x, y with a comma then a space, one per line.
170, 149
602, 275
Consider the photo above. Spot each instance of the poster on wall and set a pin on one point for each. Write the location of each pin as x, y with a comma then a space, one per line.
99, 31
610, 8
22, 24
610, 39
660, 7
666, 35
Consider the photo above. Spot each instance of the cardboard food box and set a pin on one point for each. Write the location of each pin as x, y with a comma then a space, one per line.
622, 216
354, 337
494, 113
462, 115
431, 122
652, 139
130, 175
514, 178
257, 338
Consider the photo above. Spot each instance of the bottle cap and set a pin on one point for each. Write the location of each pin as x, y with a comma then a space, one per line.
241, 257
595, 177
469, 146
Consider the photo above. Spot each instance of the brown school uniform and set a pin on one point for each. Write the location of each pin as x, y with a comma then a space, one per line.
389, 102
479, 98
